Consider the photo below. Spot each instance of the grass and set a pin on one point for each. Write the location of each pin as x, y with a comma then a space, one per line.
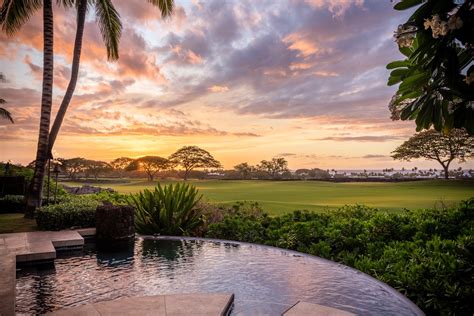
278, 197
16, 223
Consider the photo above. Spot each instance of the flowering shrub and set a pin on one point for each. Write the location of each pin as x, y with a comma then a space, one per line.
436, 78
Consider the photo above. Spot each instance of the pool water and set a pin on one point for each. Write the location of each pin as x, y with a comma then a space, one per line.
265, 280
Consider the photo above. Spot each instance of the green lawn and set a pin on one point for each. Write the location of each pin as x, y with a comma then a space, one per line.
16, 223
278, 197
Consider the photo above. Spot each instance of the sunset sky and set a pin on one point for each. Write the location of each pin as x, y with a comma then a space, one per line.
246, 80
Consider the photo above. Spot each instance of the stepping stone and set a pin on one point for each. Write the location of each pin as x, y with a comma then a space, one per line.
308, 309
7, 285
165, 305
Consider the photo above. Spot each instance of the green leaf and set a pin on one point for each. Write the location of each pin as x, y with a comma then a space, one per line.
393, 80
405, 4
401, 72
414, 81
397, 64
405, 51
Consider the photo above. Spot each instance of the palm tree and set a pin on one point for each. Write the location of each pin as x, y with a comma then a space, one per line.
4, 112
111, 28
13, 14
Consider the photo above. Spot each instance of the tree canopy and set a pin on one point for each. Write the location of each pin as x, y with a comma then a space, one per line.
244, 169
150, 164
437, 76
191, 157
433, 145
274, 167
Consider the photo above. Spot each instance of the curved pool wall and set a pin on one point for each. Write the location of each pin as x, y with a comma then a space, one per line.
265, 280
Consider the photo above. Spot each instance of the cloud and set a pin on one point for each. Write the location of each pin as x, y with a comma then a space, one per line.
375, 156
218, 89
367, 138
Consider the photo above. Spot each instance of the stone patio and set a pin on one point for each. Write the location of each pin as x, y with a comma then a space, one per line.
308, 309
30, 247
161, 305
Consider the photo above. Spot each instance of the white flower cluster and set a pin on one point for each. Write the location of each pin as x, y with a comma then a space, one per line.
440, 27
394, 109
405, 35
469, 79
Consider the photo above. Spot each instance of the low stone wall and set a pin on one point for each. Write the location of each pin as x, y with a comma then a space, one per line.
85, 189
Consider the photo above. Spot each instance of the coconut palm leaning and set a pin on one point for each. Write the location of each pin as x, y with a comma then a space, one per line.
13, 14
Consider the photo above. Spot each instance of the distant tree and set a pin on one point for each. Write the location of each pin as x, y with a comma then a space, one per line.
150, 164
274, 167
73, 166
319, 174
244, 169
3, 112
190, 157
433, 145
96, 168
120, 165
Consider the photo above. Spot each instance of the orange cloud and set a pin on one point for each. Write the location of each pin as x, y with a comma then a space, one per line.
218, 89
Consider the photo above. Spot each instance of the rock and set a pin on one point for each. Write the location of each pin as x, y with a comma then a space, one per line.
86, 189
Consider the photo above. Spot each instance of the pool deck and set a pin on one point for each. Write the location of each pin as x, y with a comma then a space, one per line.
31, 247
308, 309
165, 305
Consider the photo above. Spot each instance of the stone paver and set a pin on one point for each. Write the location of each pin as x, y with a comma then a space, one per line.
7, 284
28, 247
159, 305
308, 309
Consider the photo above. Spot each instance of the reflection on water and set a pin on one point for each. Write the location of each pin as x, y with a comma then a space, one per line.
264, 280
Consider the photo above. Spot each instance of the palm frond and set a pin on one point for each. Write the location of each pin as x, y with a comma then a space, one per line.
14, 13
166, 6
110, 27
6, 115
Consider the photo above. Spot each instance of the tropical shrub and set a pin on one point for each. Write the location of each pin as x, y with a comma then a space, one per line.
71, 210
425, 254
78, 212
168, 210
12, 204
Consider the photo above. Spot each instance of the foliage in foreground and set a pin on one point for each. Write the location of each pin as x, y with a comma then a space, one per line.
168, 210
437, 76
426, 254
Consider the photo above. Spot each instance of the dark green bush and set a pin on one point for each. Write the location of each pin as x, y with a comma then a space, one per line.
425, 254
74, 210
12, 204
77, 212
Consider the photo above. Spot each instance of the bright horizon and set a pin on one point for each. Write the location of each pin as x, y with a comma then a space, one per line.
301, 79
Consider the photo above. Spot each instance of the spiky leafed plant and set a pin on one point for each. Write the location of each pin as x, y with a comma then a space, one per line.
13, 14
168, 210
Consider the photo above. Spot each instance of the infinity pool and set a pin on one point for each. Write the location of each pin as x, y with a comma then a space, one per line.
265, 280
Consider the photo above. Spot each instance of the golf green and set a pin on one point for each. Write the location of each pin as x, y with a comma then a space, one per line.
278, 197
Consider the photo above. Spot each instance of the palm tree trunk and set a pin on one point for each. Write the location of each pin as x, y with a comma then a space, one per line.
81, 17
36, 187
